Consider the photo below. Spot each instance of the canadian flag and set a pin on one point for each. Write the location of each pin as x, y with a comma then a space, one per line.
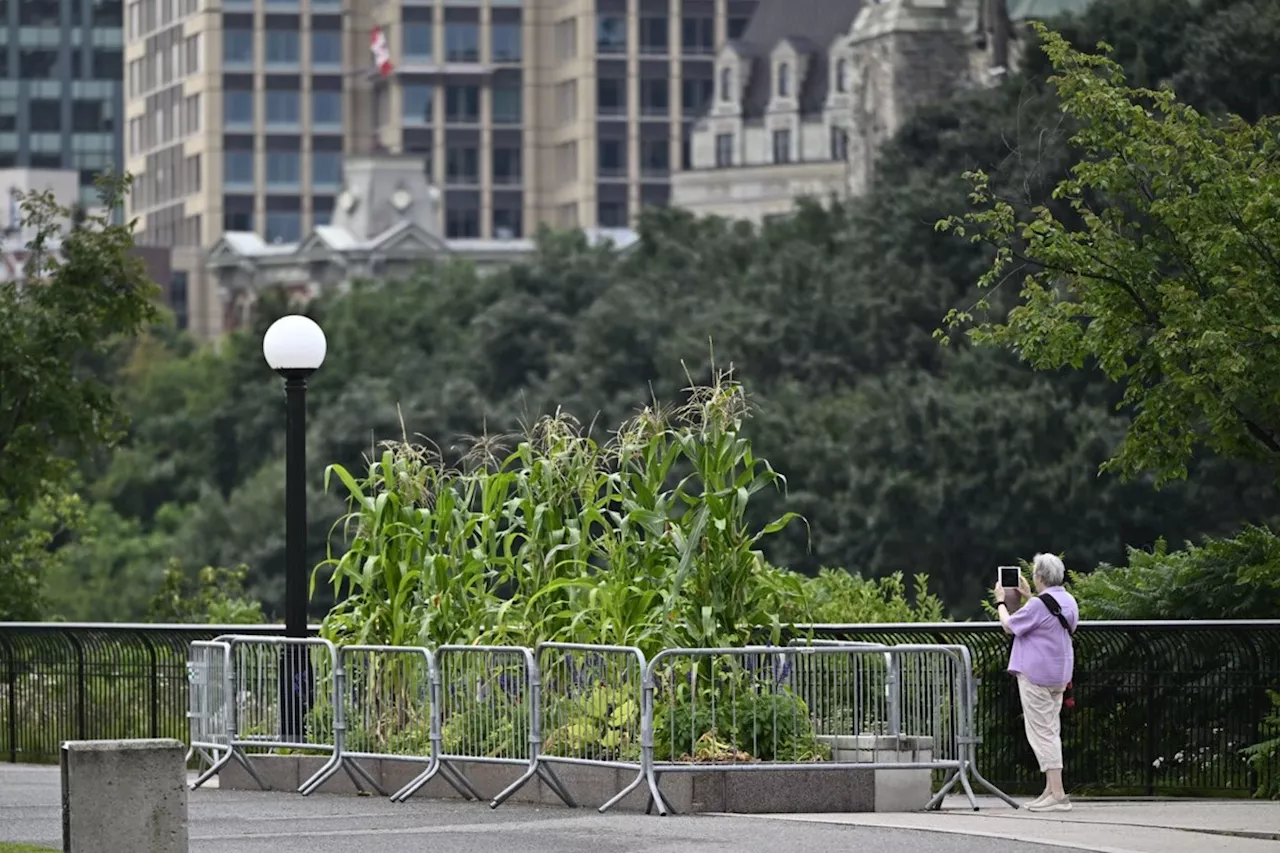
381, 53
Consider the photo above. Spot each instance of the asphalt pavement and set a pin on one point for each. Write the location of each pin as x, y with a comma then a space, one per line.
253, 822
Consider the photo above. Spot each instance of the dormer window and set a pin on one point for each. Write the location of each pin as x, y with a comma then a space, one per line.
784, 80
842, 75
726, 84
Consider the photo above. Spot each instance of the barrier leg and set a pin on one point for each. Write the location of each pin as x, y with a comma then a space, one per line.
618, 797
936, 803
557, 787
355, 768
981, 780
655, 796
330, 767
515, 786
248, 767
216, 768
968, 789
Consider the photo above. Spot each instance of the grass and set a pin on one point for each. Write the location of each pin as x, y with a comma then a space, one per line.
23, 848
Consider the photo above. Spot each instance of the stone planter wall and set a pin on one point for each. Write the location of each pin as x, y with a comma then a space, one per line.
830, 789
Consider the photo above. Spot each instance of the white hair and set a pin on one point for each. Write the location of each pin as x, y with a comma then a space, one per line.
1048, 569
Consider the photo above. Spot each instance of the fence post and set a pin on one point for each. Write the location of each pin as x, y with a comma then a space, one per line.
153, 683
1150, 746
80, 686
12, 685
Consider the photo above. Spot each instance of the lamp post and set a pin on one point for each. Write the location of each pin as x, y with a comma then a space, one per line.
294, 347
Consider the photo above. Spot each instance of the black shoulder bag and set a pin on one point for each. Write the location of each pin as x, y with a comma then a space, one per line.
1051, 604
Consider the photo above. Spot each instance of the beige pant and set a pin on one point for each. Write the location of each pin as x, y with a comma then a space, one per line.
1042, 712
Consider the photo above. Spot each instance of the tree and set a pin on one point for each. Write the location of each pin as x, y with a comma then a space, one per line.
81, 289
1164, 272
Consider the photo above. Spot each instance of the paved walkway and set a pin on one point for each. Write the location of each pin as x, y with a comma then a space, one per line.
250, 822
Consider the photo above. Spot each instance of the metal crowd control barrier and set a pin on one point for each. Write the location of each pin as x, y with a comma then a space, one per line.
594, 709
489, 699
281, 695
208, 692
761, 706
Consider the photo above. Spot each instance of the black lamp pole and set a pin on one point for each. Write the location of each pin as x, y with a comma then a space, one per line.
297, 679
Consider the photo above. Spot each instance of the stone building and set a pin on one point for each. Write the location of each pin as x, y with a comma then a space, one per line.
813, 89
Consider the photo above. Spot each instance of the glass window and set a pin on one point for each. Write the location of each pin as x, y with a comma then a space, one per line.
326, 47
655, 157
178, 298
724, 150
611, 158
326, 168
326, 107
611, 214
283, 226
237, 220
237, 106
782, 146
611, 96
695, 94
507, 165
462, 104
461, 42
508, 222
784, 80
237, 47
655, 97
461, 224
611, 34
38, 13
282, 47
698, 34
726, 84
418, 40
462, 164
283, 168
506, 42
237, 168
282, 107
508, 105
419, 103
653, 35
839, 144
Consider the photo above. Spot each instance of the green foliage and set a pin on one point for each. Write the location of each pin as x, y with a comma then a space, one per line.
1233, 578
836, 596
1264, 757
1163, 274
30, 550
600, 723
214, 596
641, 542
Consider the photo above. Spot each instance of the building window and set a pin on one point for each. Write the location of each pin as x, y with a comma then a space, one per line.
326, 108
508, 105
698, 35
462, 104
462, 164
611, 96
695, 94
611, 34
842, 75
655, 157
655, 97
237, 220
461, 224
282, 107
237, 107
418, 40
724, 150
566, 38
726, 85
782, 146
44, 116
839, 143
284, 168
737, 26
784, 80
508, 222
283, 226
282, 47
237, 47
326, 47
237, 168
38, 64
326, 169
611, 158
506, 42
461, 42
507, 165
178, 299
419, 103
38, 13
611, 214
654, 35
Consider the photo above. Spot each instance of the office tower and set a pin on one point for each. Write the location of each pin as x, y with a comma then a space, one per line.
60, 90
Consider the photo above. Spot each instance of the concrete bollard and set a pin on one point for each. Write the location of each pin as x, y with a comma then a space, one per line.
124, 795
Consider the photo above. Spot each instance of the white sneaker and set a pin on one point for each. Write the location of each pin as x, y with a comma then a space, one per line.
1050, 804
1036, 802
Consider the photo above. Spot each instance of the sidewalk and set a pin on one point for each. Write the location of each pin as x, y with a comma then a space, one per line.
1105, 826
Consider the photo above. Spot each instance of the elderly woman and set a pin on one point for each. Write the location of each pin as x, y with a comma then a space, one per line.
1043, 660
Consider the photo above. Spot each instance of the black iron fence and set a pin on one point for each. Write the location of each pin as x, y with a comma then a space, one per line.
1161, 707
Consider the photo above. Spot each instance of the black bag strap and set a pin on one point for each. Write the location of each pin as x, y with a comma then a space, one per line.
1052, 605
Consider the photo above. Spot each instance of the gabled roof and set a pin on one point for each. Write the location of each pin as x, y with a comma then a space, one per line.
812, 27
